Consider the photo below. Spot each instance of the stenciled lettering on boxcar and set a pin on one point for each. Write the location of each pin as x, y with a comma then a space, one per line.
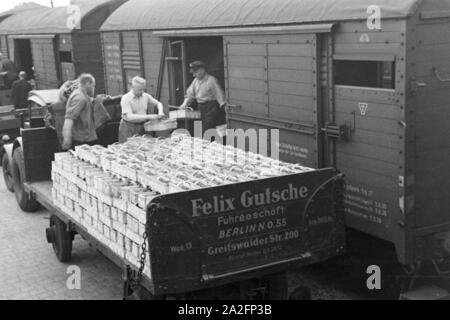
291, 150
363, 202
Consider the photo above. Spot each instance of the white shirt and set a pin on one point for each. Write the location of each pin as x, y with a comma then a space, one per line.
137, 105
207, 89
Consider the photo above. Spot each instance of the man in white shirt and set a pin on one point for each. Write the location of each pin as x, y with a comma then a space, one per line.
136, 106
206, 90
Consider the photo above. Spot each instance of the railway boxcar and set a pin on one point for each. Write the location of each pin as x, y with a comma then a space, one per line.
5, 94
357, 84
57, 44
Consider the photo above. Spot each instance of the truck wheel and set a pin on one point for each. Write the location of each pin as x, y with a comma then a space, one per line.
25, 200
277, 287
7, 175
60, 238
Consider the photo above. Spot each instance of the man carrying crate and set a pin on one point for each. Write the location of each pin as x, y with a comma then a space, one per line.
136, 106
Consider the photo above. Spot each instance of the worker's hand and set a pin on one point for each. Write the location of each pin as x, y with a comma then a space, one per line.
66, 145
48, 118
183, 107
101, 98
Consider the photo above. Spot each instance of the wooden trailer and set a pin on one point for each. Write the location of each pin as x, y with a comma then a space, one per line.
361, 85
57, 44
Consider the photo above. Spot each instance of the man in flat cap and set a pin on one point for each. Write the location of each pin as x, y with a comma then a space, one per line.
206, 90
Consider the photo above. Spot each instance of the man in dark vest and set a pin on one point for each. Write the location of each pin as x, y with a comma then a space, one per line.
19, 91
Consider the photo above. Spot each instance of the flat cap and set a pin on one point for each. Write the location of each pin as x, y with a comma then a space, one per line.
197, 65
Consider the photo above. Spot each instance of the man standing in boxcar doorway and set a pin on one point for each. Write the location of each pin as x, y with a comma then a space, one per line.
20, 90
79, 124
206, 91
8, 71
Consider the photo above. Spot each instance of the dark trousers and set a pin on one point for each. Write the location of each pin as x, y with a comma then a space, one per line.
129, 129
212, 115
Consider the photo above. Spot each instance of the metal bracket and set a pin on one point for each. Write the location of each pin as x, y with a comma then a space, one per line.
338, 132
232, 106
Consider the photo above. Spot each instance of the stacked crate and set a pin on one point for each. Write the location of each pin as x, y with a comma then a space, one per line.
107, 190
111, 209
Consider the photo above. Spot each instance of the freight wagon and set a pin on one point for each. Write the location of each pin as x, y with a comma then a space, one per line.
355, 84
54, 45
5, 94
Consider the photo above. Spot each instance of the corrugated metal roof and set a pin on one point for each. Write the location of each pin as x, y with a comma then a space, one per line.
179, 14
47, 20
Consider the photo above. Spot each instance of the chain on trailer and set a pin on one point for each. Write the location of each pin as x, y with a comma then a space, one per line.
136, 283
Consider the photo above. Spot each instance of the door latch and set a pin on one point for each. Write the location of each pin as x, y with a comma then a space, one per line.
338, 132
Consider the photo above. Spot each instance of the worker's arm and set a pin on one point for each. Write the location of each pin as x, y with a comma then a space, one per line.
158, 104
139, 118
67, 134
75, 105
190, 96
220, 95
128, 115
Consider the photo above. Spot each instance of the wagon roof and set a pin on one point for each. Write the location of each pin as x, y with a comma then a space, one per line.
182, 14
47, 20
20, 8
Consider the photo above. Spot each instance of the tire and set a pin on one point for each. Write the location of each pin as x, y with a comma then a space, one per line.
62, 245
7, 174
25, 200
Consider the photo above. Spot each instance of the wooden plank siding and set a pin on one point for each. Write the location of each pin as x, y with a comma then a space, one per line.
112, 63
432, 118
274, 77
11, 48
372, 159
152, 50
131, 56
4, 45
88, 57
353, 37
46, 73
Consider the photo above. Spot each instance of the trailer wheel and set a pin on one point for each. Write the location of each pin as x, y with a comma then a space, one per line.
25, 200
60, 238
7, 175
277, 287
